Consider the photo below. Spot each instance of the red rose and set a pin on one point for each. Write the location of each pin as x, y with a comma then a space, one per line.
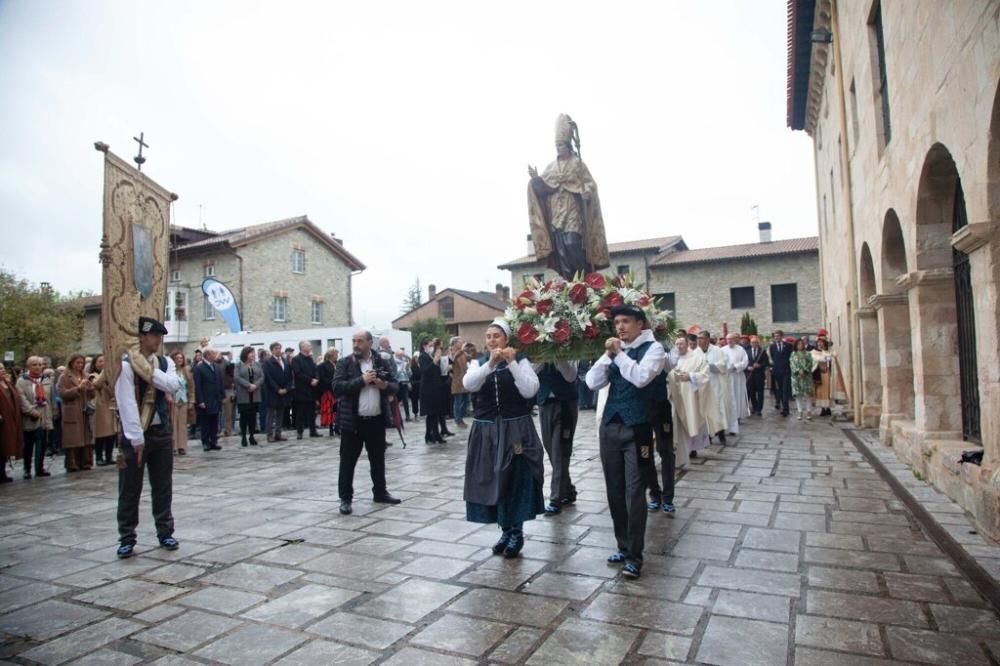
613, 299
526, 333
595, 281
561, 334
591, 331
643, 301
578, 293
544, 307
524, 299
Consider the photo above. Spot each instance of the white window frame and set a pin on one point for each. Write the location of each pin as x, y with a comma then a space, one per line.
207, 309
281, 301
175, 275
316, 312
209, 270
298, 261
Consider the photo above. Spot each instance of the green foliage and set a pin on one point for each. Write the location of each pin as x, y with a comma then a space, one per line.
38, 320
435, 328
412, 300
747, 325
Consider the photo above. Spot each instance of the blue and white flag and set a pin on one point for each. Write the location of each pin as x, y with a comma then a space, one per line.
222, 299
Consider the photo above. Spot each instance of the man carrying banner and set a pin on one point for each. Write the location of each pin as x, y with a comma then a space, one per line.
144, 382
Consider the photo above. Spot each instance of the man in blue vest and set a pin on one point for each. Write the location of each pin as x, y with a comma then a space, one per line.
557, 414
629, 365
145, 381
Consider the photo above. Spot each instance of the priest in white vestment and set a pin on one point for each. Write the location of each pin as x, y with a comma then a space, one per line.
737, 362
687, 381
715, 401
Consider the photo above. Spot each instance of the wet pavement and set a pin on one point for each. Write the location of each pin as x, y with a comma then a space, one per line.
787, 548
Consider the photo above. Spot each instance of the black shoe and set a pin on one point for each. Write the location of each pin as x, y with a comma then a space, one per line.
616, 558
244, 442
447, 433
27, 475
694, 454
169, 543
514, 545
314, 433
631, 571
43, 473
253, 441
722, 436
386, 499
298, 436
216, 447
125, 551
5, 479
552, 508
784, 413
571, 499
345, 507
501, 545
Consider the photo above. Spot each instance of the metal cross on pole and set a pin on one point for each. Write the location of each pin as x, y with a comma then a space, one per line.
139, 159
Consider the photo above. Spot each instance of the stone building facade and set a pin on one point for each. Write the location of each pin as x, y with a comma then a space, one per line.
901, 100
777, 282
284, 275
466, 313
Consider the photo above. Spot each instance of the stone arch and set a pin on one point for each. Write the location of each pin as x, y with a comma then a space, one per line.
894, 329
871, 353
993, 161
942, 342
894, 262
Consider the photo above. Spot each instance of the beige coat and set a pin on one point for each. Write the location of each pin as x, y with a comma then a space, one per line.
104, 418
26, 390
75, 422
458, 369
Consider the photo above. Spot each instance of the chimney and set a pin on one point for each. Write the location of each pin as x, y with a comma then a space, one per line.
765, 231
431, 292
506, 293
499, 291
531, 245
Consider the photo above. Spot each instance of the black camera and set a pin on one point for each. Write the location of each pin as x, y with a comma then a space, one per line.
384, 375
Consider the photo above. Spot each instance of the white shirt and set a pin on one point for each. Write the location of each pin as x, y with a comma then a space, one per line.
638, 374
128, 409
525, 378
370, 398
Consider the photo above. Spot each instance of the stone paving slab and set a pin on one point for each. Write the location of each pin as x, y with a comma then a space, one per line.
787, 548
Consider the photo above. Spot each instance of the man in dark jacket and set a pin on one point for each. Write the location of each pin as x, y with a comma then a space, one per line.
363, 383
755, 375
208, 396
306, 381
780, 353
278, 382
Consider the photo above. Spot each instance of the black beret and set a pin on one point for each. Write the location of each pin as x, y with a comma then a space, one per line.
150, 325
628, 311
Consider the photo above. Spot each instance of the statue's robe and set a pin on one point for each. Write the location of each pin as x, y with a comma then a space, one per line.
564, 210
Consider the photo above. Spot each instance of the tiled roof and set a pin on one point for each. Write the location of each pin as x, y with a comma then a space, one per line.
246, 235
658, 244
800, 14
487, 298
750, 250
87, 302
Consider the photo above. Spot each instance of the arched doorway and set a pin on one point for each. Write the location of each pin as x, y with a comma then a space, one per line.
871, 356
892, 304
941, 298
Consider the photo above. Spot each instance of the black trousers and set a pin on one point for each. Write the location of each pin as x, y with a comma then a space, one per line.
664, 435
35, 442
368, 434
415, 398
557, 419
248, 418
755, 390
305, 416
158, 458
105, 448
403, 394
783, 390
625, 477
208, 427
432, 427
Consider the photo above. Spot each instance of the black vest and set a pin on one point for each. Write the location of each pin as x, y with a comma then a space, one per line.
160, 401
498, 396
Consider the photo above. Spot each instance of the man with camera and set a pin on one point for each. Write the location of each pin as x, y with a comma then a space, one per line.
363, 382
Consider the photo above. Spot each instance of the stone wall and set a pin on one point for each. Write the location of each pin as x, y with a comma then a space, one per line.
892, 195
701, 291
90, 343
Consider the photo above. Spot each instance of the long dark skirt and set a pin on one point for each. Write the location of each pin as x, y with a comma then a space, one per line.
501, 485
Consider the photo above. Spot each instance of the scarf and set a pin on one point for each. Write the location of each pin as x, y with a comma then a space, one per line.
41, 399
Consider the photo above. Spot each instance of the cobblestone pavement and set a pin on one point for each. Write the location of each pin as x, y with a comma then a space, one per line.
786, 548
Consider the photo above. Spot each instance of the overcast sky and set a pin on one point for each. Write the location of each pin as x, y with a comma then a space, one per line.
404, 127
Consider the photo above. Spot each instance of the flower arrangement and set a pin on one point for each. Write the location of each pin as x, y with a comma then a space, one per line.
562, 320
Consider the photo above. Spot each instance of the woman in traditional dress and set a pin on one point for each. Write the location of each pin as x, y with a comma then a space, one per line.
249, 380
830, 376
327, 400
76, 391
504, 466
104, 418
803, 386
11, 433
183, 407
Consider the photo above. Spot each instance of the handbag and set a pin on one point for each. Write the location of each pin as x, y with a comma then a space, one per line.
817, 376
